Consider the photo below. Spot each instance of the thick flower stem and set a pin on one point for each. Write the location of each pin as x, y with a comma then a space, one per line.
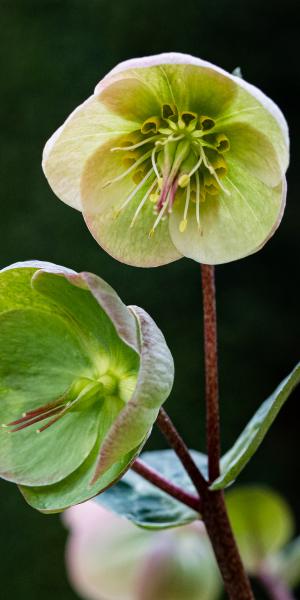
167, 486
275, 587
218, 527
211, 371
214, 510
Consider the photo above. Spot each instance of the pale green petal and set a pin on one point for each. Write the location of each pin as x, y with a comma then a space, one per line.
131, 245
94, 326
40, 357
248, 100
66, 152
120, 315
153, 387
77, 487
231, 226
252, 107
197, 88
134, 96
254, 151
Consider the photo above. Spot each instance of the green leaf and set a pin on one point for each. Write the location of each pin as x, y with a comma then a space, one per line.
147, 506
262, 523
234, 461
286, 564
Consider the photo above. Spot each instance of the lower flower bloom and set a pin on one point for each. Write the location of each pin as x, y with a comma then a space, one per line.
173, 157
82, 380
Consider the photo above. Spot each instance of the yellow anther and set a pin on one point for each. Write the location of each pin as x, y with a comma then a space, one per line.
183, 180
154, 197
182, 226
151, 233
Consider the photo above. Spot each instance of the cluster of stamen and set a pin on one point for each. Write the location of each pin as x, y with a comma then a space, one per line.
79, 394
175, 156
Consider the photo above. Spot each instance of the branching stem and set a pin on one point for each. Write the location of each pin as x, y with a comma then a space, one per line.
162, 483
176, 442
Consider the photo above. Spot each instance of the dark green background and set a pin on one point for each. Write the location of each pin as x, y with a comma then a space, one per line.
53, 53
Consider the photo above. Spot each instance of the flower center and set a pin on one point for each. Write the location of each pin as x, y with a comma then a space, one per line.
178, 155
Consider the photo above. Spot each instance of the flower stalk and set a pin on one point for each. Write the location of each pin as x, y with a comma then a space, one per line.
176, 442
167, 486
211, 372
214, 509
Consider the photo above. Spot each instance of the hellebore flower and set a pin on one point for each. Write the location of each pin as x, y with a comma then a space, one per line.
172, 156
109, 557
83, 371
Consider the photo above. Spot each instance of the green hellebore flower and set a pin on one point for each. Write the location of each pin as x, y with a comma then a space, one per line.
83, 371
172, 156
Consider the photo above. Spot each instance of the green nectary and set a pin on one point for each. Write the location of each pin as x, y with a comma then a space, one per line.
173, 157
83, 371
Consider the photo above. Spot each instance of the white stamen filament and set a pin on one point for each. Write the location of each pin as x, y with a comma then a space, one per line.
128, 171
154, 163
143, 201
170, 139
134, 191
160, 215
138, 145
196, 167
213, 172
197, 199
183, 223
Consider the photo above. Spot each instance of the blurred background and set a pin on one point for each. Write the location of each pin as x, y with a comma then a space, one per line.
53, 53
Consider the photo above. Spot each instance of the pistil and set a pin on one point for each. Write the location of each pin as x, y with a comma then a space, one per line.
82, 390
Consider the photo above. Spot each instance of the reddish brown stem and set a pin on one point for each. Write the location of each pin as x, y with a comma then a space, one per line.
214, 510
211, 371
170, 488
218, 527
176, 442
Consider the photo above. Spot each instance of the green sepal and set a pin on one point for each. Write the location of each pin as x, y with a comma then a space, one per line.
234, 461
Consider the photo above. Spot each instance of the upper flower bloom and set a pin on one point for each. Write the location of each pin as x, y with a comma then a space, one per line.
172, 157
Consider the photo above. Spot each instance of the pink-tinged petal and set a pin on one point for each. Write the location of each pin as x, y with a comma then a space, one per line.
110, 225
178, 58
153, 386
231, 226
88, 127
